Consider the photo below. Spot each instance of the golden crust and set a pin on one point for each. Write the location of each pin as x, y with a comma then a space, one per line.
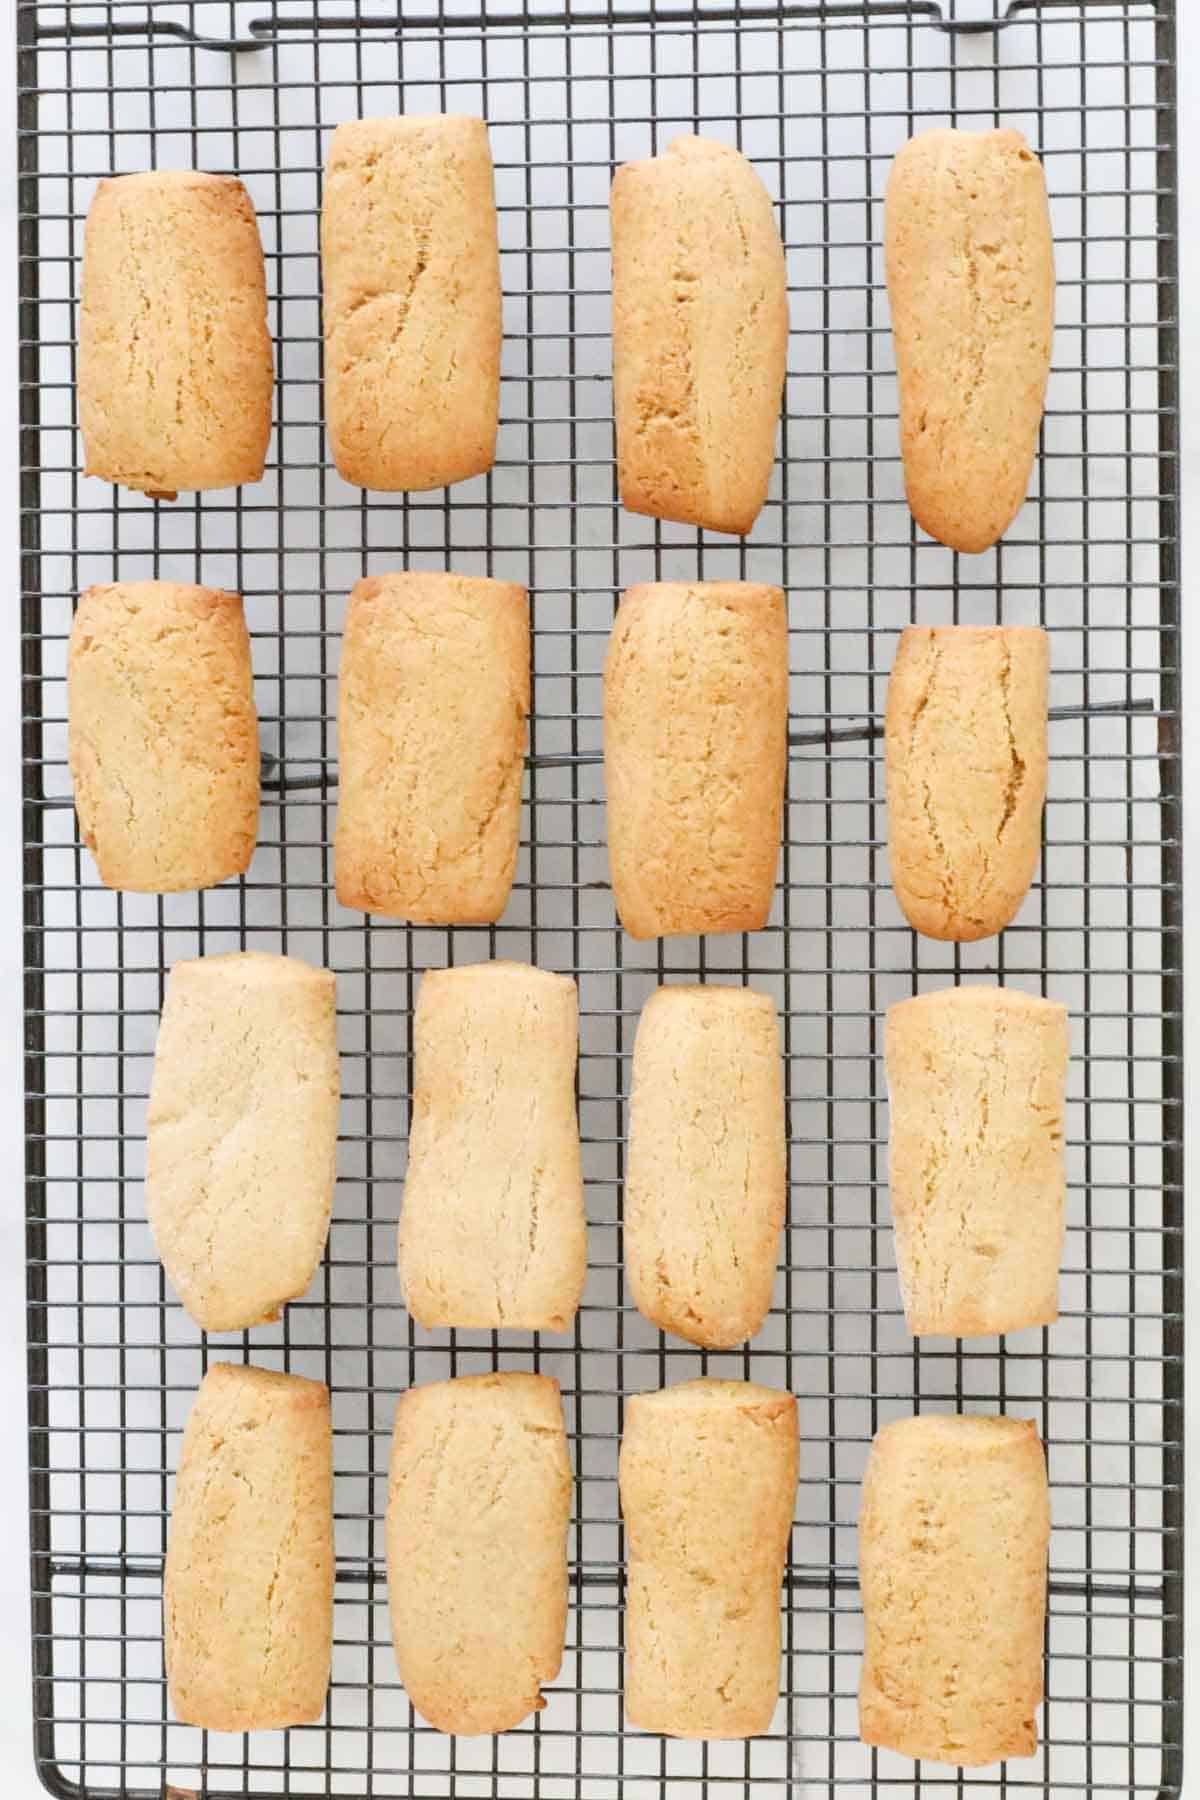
175, 374
965, 747
970, 274
411, 272
977, 1091
492, 1230
700, 327
695, 755
163, 735
433, 700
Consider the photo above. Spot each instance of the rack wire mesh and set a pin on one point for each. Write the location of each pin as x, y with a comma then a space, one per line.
820, 96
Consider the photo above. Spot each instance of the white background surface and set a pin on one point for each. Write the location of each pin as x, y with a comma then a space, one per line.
16, 1777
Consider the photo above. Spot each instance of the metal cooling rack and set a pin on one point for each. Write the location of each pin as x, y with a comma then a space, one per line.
820, 96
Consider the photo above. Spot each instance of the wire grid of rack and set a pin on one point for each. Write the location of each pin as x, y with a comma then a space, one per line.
820, 97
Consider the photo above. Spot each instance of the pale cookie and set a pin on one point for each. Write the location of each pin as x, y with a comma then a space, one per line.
706, 1175
492, 1229
248, 1582
708, 1483
242, 1133
479, 1501
977, 1088
163, 735
953, 1533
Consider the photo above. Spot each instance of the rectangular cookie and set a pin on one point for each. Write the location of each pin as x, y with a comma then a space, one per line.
411, 271
248, 1582
970, 276
175, 375
163, 735
700, 329
695, 755
708, 1483
706, 1170
953, 1534
479, 1502
433, 698
977, 1091
965, 747
492, 1230
241, 1133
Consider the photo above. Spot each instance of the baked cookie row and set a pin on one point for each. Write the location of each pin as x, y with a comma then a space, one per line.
479, 1506
953, 1534
175, 376
242, 1133
433, 707
175, 368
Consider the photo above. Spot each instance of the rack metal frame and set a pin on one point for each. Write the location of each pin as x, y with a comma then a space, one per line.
819, 93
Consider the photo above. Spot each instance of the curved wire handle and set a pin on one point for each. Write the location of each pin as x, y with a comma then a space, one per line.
262, 33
